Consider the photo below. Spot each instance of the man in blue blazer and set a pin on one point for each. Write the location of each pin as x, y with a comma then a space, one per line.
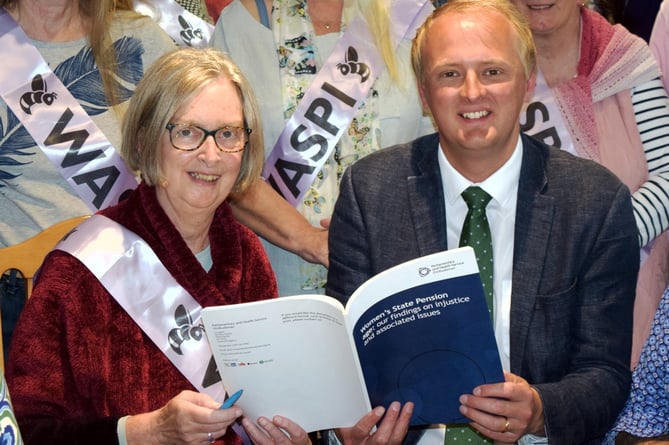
564, 240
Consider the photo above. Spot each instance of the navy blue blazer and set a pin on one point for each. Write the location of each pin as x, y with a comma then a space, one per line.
576, 258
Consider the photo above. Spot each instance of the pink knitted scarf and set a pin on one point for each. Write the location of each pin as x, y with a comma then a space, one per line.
612, 60
597, 108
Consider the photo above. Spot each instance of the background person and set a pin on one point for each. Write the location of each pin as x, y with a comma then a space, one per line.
645, 418
565, 252
658, 41
599, 96
307, 30
74, 39
10, 428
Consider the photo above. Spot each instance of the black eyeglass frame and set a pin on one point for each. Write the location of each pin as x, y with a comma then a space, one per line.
169, 127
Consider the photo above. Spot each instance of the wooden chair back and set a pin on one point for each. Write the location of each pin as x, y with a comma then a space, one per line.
27, 257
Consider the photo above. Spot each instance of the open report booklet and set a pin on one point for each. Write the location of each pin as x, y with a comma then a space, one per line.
417, 332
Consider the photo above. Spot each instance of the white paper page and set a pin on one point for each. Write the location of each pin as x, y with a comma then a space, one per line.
261, 347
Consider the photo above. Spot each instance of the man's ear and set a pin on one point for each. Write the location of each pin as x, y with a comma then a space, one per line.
531, 84
423, 101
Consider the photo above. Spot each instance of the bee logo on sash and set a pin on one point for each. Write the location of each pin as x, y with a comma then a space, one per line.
352, 66
184, 331
38, 95
188, 34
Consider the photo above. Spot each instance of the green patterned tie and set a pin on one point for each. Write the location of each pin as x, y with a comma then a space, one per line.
475, 233
463, 434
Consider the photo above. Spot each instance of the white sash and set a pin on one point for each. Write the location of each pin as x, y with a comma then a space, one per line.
328, 106
185, 28
132, 273
57, 123
541, 118
164, 310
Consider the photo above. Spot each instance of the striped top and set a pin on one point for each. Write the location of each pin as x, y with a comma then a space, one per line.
651, 201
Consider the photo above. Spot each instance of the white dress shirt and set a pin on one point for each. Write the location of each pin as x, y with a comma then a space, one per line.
501, 211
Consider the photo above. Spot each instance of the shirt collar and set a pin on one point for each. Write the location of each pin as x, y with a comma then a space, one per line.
501, 185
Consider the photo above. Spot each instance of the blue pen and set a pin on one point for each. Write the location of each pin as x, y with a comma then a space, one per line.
232, 399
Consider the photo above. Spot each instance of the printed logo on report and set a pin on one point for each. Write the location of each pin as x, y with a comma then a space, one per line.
424, 271
235, 364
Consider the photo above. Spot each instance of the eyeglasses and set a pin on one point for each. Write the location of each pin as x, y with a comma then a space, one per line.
189, 137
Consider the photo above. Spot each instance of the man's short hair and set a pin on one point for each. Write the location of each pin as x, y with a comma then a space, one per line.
526, 48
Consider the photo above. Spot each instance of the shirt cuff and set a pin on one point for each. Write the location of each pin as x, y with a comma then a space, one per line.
120, 431
531, 439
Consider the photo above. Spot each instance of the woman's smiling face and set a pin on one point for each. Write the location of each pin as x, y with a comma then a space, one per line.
545, 16
200, 180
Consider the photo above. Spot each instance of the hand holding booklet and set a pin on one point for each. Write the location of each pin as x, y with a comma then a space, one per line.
417, 332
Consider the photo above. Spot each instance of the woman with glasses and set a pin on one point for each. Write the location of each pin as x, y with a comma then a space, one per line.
87, 364
84, 369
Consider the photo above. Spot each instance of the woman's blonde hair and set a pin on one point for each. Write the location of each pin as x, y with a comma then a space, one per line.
526, 49
377, 16
169, 83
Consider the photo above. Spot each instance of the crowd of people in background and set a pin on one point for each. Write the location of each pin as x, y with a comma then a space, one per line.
580, 248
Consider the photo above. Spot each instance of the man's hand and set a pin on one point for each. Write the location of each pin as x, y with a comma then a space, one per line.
505, 411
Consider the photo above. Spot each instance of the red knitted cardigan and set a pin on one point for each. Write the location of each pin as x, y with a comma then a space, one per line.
78, 362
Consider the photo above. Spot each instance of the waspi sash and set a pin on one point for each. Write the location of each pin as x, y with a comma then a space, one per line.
162, 308
185, 28
330, 103
57, 122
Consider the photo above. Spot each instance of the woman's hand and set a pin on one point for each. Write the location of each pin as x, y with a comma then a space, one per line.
278, 431
188, 418
391, 431
314, 244
269, 215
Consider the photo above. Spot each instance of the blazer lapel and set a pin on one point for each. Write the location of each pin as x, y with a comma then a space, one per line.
534, 222
426, 196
